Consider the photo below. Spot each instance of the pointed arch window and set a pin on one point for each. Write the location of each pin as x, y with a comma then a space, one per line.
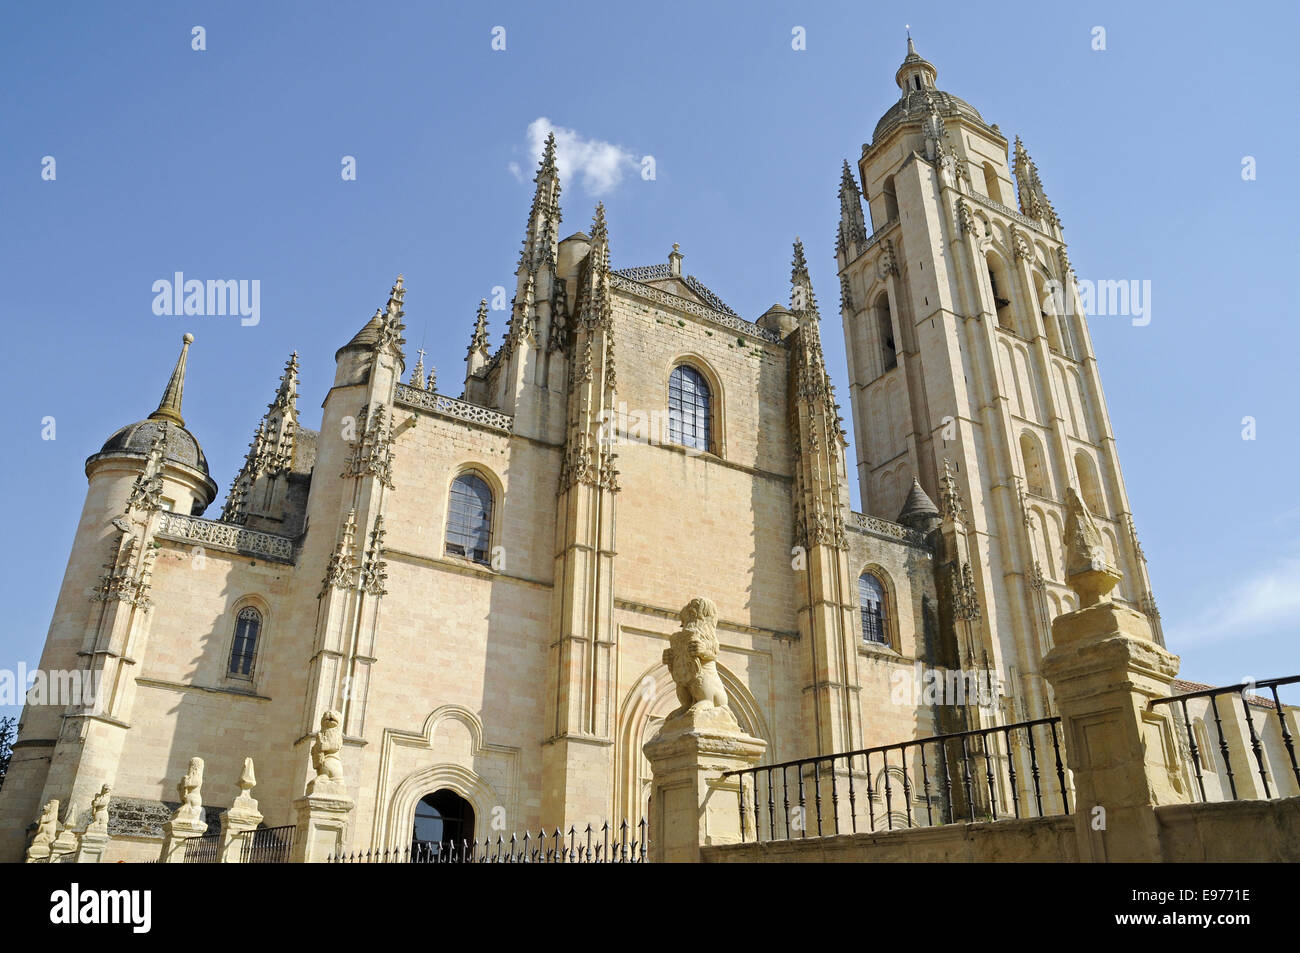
875, 609
885, 329
243, 651
469, 518
690, 408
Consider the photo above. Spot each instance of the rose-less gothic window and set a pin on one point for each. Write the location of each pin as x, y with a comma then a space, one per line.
875, 612
469, 518
248, 626
689, 407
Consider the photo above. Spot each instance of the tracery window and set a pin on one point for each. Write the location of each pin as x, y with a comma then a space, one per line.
469, 518
690, 406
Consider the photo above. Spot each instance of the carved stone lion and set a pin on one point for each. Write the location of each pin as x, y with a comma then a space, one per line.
191, 792
99, 810
692, 659
47, 826
326, 755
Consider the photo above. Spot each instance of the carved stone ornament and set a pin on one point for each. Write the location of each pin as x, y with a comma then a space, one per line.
1088, 571
190, 790
691, 658
326, 757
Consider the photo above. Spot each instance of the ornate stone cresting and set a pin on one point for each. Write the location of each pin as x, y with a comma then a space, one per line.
692, 657
455, 409
327, 758
1088, 571
226, 537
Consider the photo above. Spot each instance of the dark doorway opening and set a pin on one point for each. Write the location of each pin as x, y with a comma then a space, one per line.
442, 819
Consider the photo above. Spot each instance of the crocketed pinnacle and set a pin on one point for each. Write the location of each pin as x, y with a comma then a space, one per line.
169, 408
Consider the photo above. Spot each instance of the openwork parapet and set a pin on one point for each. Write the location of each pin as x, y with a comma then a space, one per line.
456, 409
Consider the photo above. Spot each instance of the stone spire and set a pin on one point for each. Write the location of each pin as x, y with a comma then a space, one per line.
919, 512
542, 234
417, 374
169, 408
270, 454
1029, 188
853, 230
479, 340
801, 292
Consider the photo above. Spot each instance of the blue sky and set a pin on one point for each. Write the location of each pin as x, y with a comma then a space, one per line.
226, 163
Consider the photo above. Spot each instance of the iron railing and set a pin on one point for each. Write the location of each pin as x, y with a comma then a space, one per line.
982, 774
1202, 760
203, 850
625, 844
267, 845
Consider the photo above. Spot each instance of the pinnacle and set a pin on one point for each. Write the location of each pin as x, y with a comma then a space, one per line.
169, 408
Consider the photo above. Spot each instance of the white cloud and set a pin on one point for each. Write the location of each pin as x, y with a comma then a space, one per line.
597, 165
1266, 602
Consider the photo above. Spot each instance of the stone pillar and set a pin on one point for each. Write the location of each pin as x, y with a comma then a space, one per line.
92, 846
1104, 669
691, 804
323, 827
65, 845
242, 817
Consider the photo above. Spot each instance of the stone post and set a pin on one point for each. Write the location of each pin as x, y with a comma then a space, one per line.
242, 817
691, 804
325, 811
1104, 669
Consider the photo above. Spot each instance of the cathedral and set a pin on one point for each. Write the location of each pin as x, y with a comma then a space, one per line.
482, 586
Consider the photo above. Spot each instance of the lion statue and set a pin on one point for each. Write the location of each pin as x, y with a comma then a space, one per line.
191, 791
47, 826
99, 810
325, 753
692, 659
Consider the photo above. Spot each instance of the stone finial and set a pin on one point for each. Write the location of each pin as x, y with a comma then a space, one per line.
675, 259
247, 779
245, 807
417, 373
1088, 570
169, 408
691, 658
191, 792
99, 811
326, 757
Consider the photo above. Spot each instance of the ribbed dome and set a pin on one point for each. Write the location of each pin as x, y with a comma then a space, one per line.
913, 107
180, 447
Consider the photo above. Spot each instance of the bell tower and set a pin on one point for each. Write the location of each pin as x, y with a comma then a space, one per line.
972, 371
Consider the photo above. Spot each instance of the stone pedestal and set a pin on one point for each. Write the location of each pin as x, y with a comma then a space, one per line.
176, 833
323, 826
691, 804
64, 845
93, 843
1104, 669
242, 817
38, 854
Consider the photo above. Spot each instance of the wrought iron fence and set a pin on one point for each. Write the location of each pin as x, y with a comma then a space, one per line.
625, 844
203, 850
982, 774
1267, 749
267, 845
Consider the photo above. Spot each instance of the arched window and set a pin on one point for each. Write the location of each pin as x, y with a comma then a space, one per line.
1090, 484
885, 328
891, 201
442, 819
469, 518
1001, 288
1035, 470
875, 609
1047, 308
689, 408
991, 187
248, 627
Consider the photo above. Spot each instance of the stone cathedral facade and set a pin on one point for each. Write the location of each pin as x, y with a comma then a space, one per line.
483, 585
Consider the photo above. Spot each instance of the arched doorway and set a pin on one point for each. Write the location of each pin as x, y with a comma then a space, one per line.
442, 819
